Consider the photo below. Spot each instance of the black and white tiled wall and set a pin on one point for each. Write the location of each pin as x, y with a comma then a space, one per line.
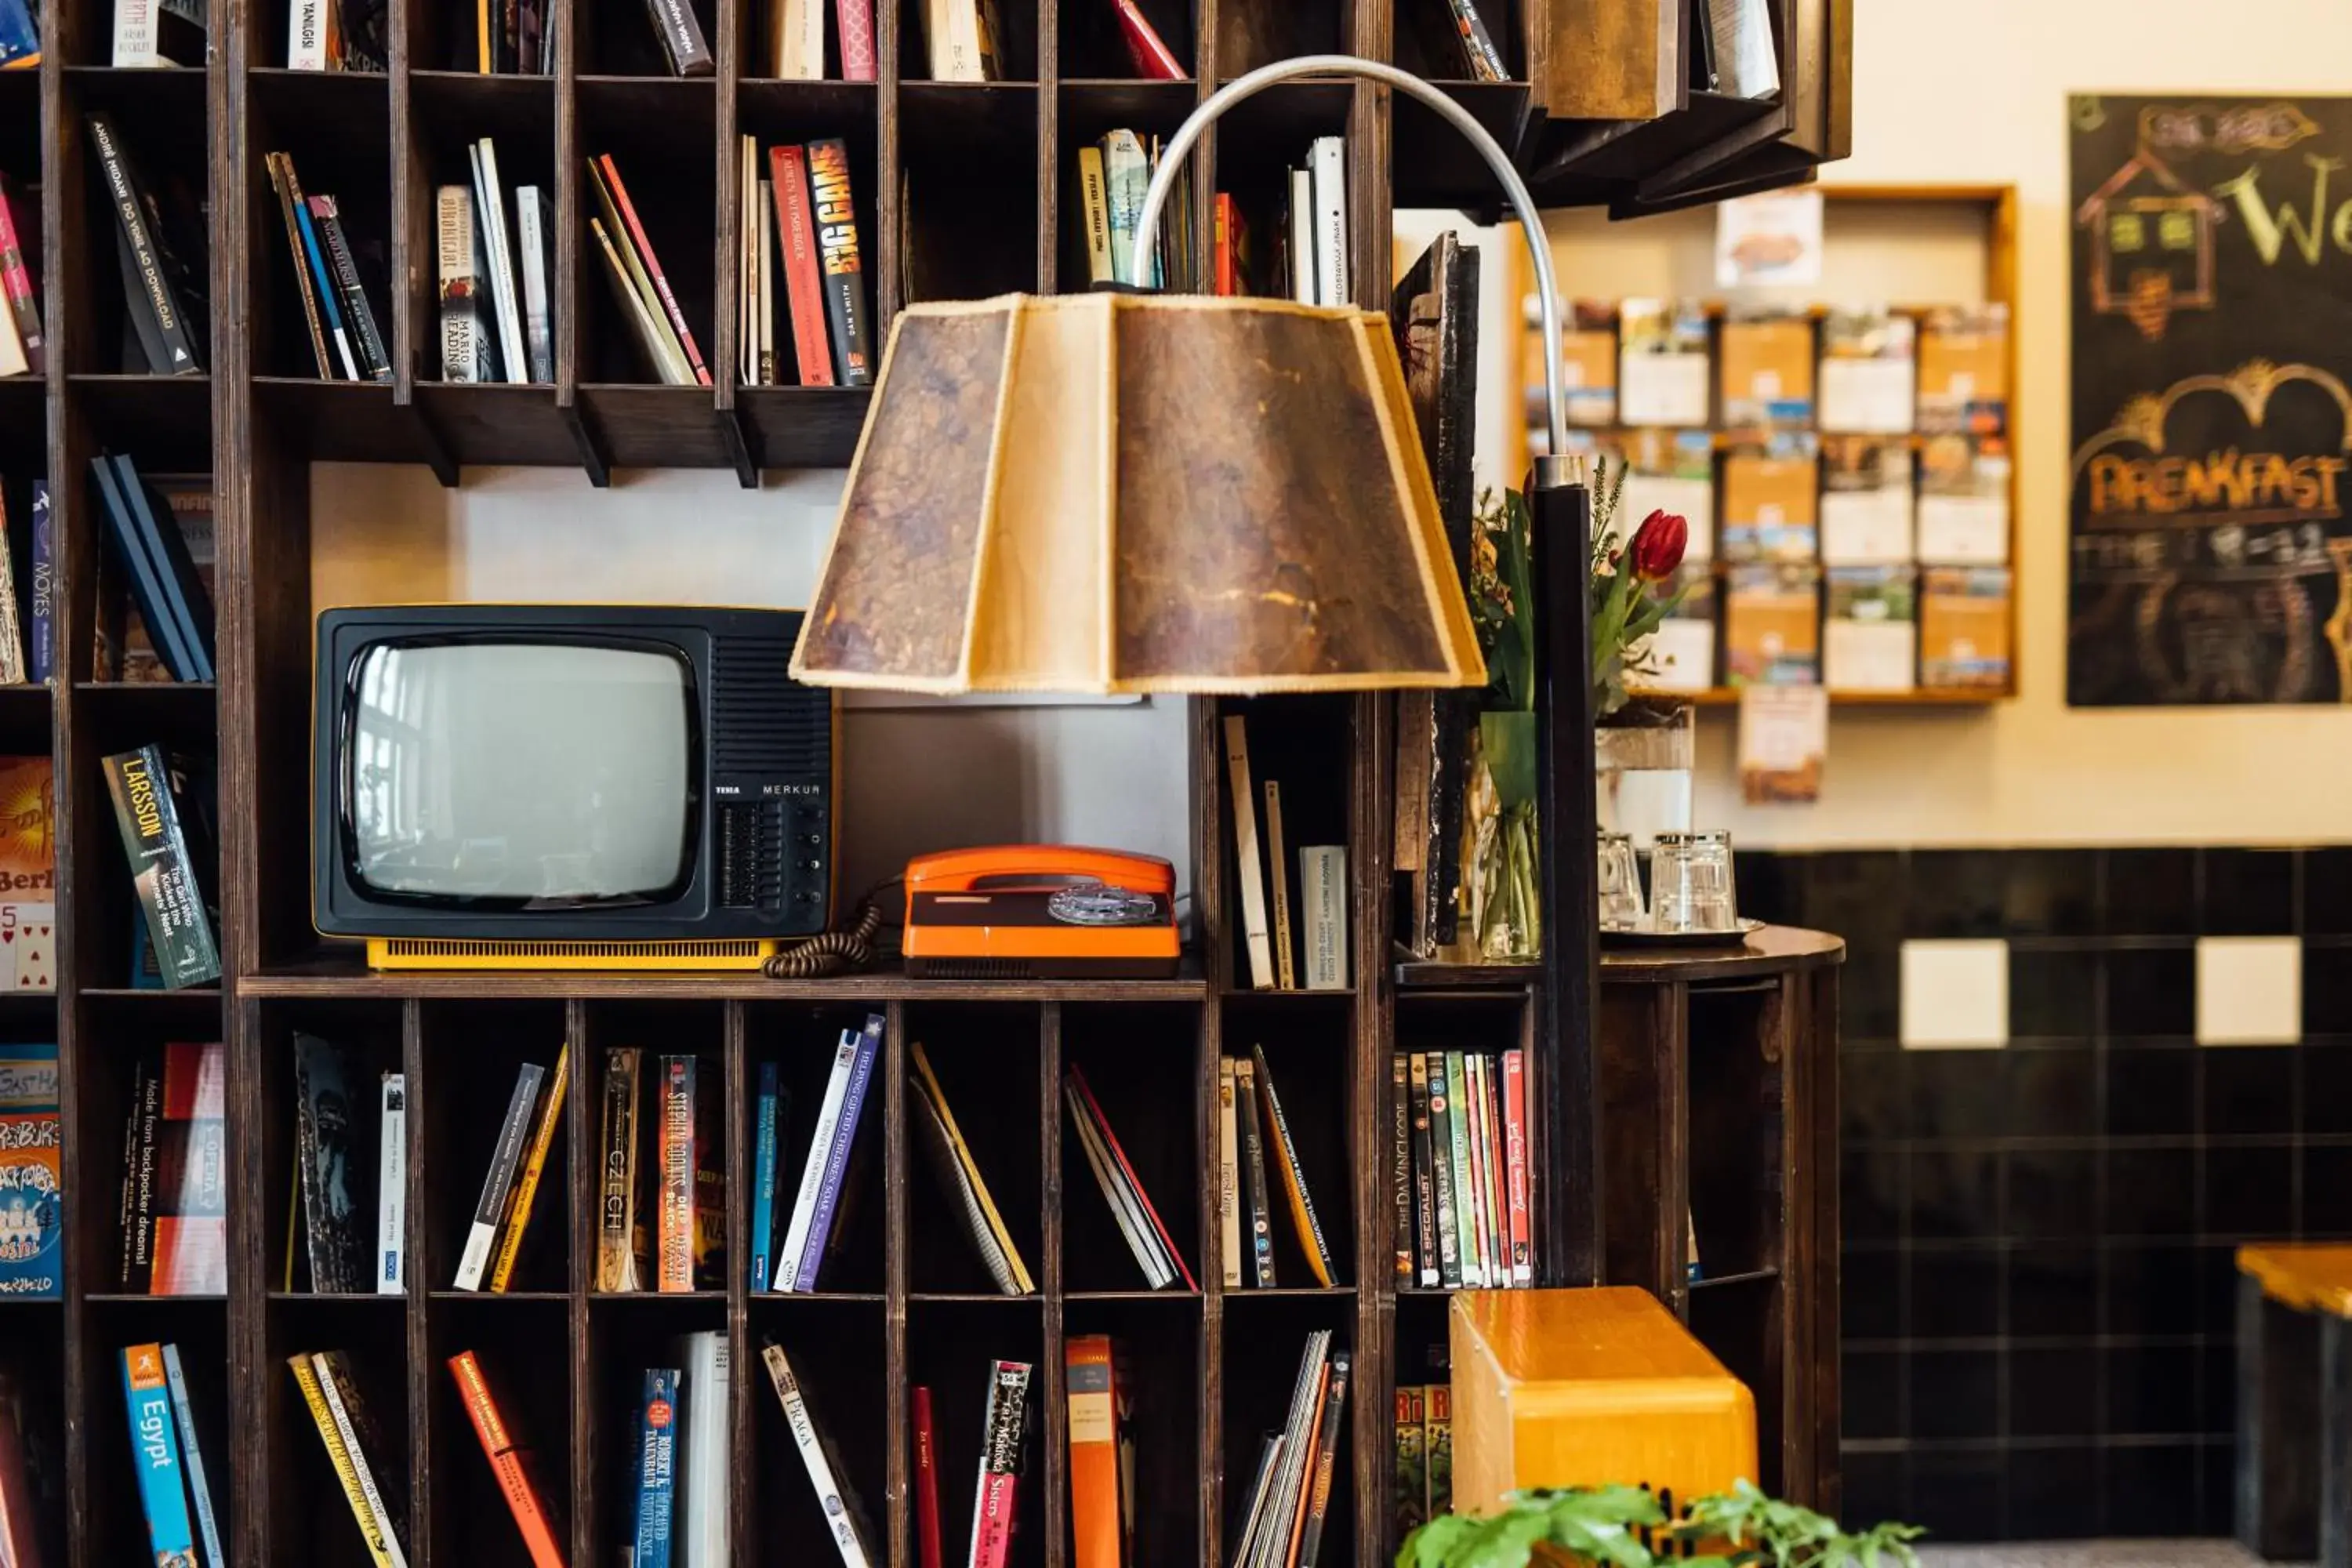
2072, 1081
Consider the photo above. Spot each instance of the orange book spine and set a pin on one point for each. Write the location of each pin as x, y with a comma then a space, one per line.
505, 1462
1093, 1452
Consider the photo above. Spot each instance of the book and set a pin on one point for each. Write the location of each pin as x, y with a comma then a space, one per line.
845, 308
675, 1165
41, 661
804, 289
1154, 1248
682, 41
20, 35
392, 1188
854, 23
188, 1211
465, 336
1127, 178
1276, 1532
326, 1084
32, 1187
927, 1480
1327, 1421
1093, 207
747, 261
703, 1461
1519, 1195
766, 1109
796, 40
151, 33
19, 269
1498, 1186
371, 1490
1323, 888
155, 1454
534, 217
774, 331
163, 872
997, 1501
1229, 1226
1481, 59
1090, 1385
1459, 1122
842, 1517
1441, 1137
511, 1462
543, 1138
1400, 1165
959, 1179
490, 216
1438, 1450
958, 41
497, 1182
1423, 1194
143, 1106
146, 520
1151, 58
1474, 1103
821, 1176
619, 195
1261, 1210
1260, 1493
359, 316
635, 287
1250, 870
1327, 166
171, 334
191, 1452
320, 303
360, 31
617, 1250
656, 1470
310, 36
1285, 973
1292, 1180
1408, 1501
28, 876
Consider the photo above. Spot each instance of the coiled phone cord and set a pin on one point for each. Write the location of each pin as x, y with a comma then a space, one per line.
832, 953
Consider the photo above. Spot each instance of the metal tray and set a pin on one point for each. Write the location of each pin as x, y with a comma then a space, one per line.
1614, 937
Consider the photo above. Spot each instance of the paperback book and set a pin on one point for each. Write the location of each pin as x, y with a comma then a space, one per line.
32, 1185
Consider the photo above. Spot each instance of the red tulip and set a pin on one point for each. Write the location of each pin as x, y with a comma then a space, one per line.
1657, 546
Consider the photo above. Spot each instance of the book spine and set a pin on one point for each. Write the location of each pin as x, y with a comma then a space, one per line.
1227, 276
645, 248
1127, 176
530, 236
763, 1179
1441, 1134
159, 302
1093, 197
1093, 1428
1294, 1180
1498, 1184
498, 1182
1156, 1273
1298, 252
314, 262
506, 1461
812, 1187
1474, 1104
843, 266
464, 345
854, 20
1323, 880
1277, 869
200, 1489
836, 1162
1251, 861
656, 1468
803, 288
1439, 1446
168, 896
43, 663
375, 362
504, 294
796, 40
1424, 1198
1229, 1226
347, 1462
1515, 1162
184, 596
818, 1461
1410, 1502
134, 34
774, 331
1329, 155
518, 1219
705, 1530
17, 278
616, 1199
999, 1492
1253, 1170
674, 1209
321, 1136
155, 1451
1131, 1183
343, 1404
150, 1090
304, 289
927, 1482
1150, 55
1478, 51
1461, 1127
1401, 1164
1318, 1494
391, 1189
681, 37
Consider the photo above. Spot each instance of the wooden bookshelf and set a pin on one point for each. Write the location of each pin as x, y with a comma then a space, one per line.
984, 205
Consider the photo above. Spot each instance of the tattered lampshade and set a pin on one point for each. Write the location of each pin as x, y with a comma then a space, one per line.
1130, 493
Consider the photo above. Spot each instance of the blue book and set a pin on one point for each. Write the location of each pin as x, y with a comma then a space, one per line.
43, 663
198, 1487
155, 1454
656, 1468
837, 1162
765, 1111
20, 38
330, 313
146, 586
176, 567
32, 1207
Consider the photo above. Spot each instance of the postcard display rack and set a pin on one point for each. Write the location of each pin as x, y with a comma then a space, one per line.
905, 1305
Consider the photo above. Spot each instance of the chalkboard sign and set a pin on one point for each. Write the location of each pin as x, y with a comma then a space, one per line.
2212, 424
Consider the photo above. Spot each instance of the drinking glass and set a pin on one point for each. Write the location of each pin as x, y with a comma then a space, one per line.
1620, 883
1690, 882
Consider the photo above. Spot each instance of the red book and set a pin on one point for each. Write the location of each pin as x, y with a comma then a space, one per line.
853, 19
994, 1507
1151, 58
1515, 1164
1110, 1141
653, 267
927, 1483
508, 1461
796, 236
1227, 283
18, 249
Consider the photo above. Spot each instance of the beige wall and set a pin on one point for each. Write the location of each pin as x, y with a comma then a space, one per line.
1978, 92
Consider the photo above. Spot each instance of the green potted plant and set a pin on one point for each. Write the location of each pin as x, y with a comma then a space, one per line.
1624, 1527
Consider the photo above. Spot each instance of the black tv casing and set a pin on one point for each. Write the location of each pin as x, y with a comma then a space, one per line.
761, 778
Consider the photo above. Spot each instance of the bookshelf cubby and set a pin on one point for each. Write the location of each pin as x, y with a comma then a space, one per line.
961, 189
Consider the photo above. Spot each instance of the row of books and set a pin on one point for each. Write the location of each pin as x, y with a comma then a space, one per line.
1290, 1495
809, 1228
1310, 263
800, 279
150, 550
22, 344
159, 32
1424, 1475
1459, 1177
1850, 628
494, 292
174, 1194
1250, 1123
1114, 174
336, 34
1264, 874
166, 313
335, 304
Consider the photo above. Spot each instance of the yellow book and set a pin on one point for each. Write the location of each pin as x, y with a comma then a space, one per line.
1294, 1184
527, 1185
930, 1087
359, 1491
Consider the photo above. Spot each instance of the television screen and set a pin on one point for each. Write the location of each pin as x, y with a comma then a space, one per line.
520, 770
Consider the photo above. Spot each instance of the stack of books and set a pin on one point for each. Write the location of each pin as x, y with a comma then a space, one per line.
1312, 953
680, 1516
175, 1198
1113, 176
1458, 1169
166, 310
335, 35
810, 1229
800, 303
173, 1489
495, 299
1289, 1497
642, 289
344, 343
661, 1220
1147, 1238
1257, 1172
372, 1473
23, 345
502, 1211
961, 1182
1425, 1456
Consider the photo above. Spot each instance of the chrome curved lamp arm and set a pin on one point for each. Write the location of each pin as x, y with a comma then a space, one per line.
1180, 147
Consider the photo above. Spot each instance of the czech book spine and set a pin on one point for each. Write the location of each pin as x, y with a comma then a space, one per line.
1261, 1215
845, 1142
995, 1502
509, 1462
375, 362
517, 1220
155, 1451
657, 1470
842, 1518
391, 1189
674, 1207
175, 348
845, 308
497, 1182
1515, 1158
171, 896
192, 1448
616, 1214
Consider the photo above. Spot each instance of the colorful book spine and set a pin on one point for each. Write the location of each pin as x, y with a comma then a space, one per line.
1409, 1503
927, 1481
1515, 1165
375, 359
803, 287
1229, 1226
1328, 1422
657, 1470
1401, 1164
1424, 1195
155, 1452
764, 1112
391, 1189
1478, 51
335, 1431
366, 1444
1089, 1376
817, 1458
1474, 1104
508, 1461
845, 309
1131, 1182
42, 664
192, 1449
464, 335
16, 280
1499, 1183
1094, 201
645, 250
497, 1182
1261, 1212
1465, 1191
32, 1207
999, 1493
1439, 1446
836, 1162
829, 1125
1303, 1217
616, 1206
1249, 859
674, 1207
854, 20
1441, 1138
190, 1185
170, 901
517, 1220
322, 282
1151, 58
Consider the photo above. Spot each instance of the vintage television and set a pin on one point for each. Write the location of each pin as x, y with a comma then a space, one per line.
533, 786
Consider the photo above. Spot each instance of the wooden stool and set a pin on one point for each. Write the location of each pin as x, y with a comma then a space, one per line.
1563, 1388
2294, 1403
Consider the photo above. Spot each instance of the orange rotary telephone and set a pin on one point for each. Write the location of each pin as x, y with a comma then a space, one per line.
1040, 911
